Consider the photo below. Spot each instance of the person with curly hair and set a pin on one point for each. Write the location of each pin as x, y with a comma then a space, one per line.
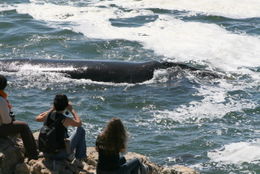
110, 143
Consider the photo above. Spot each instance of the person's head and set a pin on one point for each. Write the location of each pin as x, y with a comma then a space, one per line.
3, 82
115, 135
60, 102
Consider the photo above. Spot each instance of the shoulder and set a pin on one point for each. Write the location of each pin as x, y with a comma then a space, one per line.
55, 115
100, 140
62, 116
2, 101
99, 137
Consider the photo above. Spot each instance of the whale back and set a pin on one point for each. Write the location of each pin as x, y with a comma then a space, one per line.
105, 71
99, 70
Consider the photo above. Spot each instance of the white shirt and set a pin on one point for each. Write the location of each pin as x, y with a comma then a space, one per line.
4, 112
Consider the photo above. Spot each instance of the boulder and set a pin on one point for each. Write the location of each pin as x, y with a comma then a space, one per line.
10, 155
178, 170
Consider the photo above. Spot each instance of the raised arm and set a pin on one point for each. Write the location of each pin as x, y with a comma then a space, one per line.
42, 116
75, 122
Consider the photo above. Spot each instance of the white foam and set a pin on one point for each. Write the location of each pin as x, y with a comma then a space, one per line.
214, 105
237, 153
5, 7
177, 40
227, 8
204, 43
38, 68
167, 36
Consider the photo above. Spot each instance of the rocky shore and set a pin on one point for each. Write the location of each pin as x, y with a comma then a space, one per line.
12, 162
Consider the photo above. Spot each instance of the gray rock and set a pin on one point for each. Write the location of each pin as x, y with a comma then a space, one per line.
22, 168
10, 156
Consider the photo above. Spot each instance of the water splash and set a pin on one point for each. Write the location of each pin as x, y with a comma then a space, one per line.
237, 153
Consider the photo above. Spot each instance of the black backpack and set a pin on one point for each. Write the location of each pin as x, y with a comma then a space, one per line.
48, 138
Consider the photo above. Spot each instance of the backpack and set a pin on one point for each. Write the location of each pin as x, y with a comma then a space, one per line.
48, 141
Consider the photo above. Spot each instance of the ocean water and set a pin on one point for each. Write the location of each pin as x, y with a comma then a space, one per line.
212, 125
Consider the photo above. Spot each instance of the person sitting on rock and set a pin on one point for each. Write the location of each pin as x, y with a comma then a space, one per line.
9, 126
76, 141
110, 143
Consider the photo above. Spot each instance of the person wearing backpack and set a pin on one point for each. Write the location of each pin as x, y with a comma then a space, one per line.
9, 126
55, 125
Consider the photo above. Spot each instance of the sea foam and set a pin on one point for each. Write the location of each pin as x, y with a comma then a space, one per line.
231, 8
237, 153
167, 36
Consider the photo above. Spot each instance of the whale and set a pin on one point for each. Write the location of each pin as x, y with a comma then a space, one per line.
97, 70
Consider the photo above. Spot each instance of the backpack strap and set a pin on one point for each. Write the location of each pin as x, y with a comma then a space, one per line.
48, 120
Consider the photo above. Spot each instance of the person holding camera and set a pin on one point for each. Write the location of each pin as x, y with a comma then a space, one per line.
9, 126
55, 118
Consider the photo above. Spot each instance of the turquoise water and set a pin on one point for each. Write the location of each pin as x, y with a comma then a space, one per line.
212, 125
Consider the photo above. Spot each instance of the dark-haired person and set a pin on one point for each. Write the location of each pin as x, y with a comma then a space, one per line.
110, 143
77, 139
9, 126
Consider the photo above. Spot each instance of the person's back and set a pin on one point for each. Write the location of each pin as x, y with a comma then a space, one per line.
53, 133
56, 115
61, 130
109, 144
107, 160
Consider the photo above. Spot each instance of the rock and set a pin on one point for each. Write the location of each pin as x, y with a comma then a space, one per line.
45, 171
12, 162
10, 156
22, 168
178, 170
156, 169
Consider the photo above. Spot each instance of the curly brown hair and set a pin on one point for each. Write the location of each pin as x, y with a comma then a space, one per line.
114, 136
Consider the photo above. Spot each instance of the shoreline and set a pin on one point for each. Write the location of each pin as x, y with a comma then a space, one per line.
12, 161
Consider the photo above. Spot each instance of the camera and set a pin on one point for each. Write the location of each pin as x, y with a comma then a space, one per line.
12, 115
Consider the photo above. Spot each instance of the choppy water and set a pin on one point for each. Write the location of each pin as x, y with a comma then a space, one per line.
212, 125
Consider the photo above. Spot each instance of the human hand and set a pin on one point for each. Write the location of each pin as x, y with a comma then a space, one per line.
69, 107
52, 109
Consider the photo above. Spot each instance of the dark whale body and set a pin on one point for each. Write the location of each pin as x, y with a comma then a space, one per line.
104, 71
